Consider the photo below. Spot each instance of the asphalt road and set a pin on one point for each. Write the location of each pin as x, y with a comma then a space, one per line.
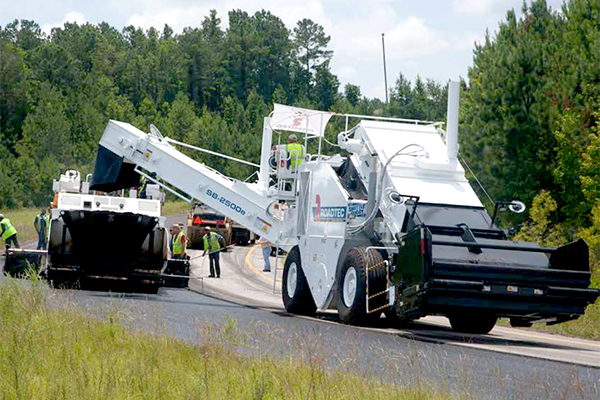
421, 358
479, 373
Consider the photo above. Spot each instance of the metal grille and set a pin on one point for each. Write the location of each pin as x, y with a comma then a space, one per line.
147, 206
70, 200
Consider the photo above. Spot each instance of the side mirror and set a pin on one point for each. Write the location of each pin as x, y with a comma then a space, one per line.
517, 206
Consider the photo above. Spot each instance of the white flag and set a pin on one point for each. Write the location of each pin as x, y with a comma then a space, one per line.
286, 118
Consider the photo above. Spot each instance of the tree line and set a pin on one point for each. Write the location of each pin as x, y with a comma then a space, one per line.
209, 86
528, 119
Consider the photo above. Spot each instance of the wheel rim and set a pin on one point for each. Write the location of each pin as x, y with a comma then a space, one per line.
292, 279
349, 290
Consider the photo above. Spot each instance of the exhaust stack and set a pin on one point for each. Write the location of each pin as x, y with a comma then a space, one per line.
452, 121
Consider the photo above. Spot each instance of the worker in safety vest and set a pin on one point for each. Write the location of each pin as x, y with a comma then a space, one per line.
8, 232
179, 247
42, 227
212, 246
296, 152
143, 187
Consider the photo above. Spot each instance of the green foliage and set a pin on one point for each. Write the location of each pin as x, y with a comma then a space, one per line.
310, 40
352, 94
427, 100
542, 229
13, 92
530, 119
590, 166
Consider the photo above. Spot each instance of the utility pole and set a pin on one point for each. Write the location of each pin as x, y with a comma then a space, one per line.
384, 67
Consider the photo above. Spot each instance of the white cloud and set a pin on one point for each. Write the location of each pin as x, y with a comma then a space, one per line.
346, 72
481, 7
181, 14
72, 16
494, 8
176, 18
412, 38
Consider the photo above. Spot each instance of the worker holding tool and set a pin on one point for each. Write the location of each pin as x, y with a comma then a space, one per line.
8, 232
212, 246
179, 247
266, 250
295, 151
42, 227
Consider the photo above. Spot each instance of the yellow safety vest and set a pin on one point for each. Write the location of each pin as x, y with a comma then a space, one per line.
214, 243
47, 226
143, 185
296, 153
179, 247
8, 228
38, 223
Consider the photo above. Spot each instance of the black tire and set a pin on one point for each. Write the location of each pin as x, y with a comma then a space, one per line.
149, 288
478, 324
354, 310
297, 298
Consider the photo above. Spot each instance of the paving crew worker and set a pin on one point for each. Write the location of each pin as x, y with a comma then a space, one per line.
179, 248
296, 152
266, 250
143, 187
212, 246
42, 227
8, 232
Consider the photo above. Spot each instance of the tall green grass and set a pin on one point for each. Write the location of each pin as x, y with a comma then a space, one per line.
64, 354
175, 207
23, 219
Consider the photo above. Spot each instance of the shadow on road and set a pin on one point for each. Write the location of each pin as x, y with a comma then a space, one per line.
425, 332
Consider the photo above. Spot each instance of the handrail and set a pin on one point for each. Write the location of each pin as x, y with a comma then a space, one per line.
169, 140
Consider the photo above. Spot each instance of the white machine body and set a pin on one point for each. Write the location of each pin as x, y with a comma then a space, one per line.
91, 202
308, 206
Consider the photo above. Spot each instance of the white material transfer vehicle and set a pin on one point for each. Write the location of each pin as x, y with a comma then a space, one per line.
95, 236
393, 226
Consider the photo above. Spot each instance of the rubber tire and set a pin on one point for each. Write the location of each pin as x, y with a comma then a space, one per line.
301, 302
148, 288
476, 324
358, 258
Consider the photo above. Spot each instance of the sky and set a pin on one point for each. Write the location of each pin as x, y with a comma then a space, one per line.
431, 38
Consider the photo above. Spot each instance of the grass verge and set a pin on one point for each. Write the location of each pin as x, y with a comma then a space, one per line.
23, 219
51, 354
175, 207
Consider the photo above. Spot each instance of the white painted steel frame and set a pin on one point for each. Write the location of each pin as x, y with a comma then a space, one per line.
242, 202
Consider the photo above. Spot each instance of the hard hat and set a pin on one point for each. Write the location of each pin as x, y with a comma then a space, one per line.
207, 228
293, 137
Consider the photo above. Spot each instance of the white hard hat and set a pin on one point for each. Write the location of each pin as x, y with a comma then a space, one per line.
292, 137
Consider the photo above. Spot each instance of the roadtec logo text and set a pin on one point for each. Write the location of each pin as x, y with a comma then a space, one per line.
328, 214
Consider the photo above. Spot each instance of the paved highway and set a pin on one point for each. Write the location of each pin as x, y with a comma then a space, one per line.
507, 364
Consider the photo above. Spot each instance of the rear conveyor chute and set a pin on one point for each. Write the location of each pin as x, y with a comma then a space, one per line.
124, 149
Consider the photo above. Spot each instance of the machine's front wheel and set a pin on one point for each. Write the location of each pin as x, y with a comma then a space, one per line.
351, 285
296, 294
472, 323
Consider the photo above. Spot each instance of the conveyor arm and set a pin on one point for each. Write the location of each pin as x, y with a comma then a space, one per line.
244, 203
